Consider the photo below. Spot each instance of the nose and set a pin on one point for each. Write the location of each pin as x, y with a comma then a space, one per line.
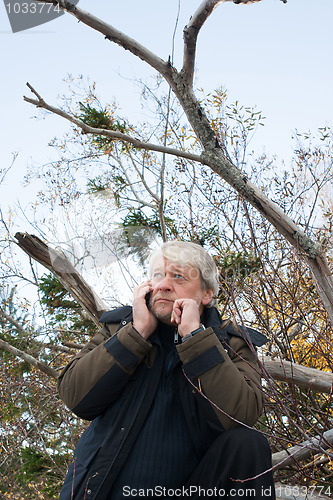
165, 284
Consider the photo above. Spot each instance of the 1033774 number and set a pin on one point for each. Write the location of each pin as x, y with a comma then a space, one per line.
31, 8
304, 491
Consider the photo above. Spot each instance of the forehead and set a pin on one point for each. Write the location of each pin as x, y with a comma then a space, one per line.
161, 263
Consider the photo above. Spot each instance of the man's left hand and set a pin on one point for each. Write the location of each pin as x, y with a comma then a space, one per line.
186, 315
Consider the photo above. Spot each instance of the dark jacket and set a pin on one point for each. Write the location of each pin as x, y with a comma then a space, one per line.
113, 380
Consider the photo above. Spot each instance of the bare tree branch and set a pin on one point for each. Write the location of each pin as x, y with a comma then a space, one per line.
141, 177
302, 451
40, 103
190, 34
114, 35
302, 376
11, 320
131, 184
28, 359
4, 170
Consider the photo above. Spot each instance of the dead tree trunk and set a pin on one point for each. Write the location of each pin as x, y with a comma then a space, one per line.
302, 376
303, 450
60, 266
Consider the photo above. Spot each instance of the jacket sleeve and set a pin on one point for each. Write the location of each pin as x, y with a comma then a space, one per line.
94, 378
232, 383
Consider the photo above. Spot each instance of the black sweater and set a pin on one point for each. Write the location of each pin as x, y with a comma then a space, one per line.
163, 454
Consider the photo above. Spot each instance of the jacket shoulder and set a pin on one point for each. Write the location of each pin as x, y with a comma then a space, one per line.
248, 334
226, 328
116, 315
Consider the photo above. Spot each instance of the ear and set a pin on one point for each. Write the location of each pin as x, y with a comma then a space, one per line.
207, 297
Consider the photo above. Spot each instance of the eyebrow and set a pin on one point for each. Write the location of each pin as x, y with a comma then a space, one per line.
172, 268
159, 268
177, 268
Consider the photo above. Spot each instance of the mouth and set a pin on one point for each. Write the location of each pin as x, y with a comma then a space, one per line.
163, 300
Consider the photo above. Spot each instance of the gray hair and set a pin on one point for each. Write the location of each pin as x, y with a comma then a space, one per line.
185, 254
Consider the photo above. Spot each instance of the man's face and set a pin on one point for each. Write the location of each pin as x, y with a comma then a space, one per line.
171, 281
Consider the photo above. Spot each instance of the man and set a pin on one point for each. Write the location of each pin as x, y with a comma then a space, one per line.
172, 391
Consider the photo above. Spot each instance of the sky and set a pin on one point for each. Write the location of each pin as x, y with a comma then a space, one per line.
274, 56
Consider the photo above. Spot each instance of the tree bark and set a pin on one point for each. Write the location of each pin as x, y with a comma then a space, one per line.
302, 376
303, 450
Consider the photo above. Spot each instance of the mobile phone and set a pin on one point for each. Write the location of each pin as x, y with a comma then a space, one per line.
147, 297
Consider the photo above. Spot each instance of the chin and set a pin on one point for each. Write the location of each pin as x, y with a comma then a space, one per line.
163, 316
166, 321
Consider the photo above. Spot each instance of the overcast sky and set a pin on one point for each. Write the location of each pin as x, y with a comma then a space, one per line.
275, 56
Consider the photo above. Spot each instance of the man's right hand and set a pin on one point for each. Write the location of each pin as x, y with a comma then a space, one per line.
143, 320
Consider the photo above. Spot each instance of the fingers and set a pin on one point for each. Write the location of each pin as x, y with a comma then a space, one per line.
142, 289
143, 320
186, 315
176, 315
177, 311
